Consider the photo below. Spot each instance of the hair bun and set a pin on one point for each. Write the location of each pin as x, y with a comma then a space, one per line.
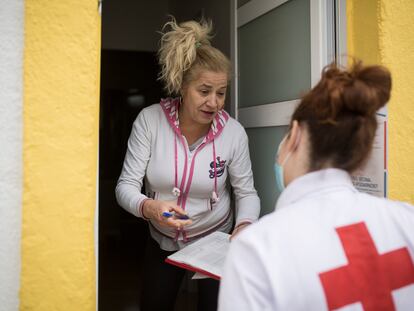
378, 79
340, 115
361, 90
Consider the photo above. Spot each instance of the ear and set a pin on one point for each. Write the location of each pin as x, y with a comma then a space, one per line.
182, 91
293, 140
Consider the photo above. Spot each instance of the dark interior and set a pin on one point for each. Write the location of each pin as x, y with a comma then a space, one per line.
129, 83
129, 71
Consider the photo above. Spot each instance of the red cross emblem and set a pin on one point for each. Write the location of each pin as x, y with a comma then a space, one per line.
369, 277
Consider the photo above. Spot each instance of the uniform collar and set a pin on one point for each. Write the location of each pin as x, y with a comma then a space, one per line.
314, 182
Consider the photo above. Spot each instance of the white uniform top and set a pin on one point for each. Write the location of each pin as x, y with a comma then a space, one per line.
159, 152
326, 247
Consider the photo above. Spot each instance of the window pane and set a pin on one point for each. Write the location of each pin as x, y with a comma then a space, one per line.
263, 143
274, 55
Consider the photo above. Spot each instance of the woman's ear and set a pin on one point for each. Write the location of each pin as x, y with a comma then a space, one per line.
293, 139
182, 91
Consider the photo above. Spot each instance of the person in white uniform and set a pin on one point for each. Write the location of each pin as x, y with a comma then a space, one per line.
189, 150
327, 246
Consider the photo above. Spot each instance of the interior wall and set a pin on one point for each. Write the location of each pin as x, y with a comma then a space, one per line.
217, 10
132, 25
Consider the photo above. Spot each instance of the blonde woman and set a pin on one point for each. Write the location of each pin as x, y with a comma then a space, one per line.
187, 147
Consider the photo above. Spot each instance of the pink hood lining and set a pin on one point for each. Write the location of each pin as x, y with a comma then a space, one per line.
170, 107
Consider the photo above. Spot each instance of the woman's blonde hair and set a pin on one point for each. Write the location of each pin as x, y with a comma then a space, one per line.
185, 49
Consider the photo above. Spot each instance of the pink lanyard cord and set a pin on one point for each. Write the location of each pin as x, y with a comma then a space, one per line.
215, 167
176, 161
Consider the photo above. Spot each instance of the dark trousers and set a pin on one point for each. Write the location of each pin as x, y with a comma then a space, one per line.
162, 282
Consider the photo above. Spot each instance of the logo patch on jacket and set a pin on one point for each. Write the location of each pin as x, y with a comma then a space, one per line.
220, 166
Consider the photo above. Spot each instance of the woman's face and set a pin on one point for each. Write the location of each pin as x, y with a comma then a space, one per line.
204, 96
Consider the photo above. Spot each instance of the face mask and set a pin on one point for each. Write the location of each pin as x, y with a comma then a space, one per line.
278, 168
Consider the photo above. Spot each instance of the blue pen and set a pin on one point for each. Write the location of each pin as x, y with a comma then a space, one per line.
179, 216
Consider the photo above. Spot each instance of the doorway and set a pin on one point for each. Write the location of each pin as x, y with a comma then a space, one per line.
129, 83
268, 80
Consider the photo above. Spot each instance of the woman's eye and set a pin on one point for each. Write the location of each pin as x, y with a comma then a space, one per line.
204, 92
220, 94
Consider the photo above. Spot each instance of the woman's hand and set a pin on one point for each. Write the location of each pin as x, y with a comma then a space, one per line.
153, 210
238, 229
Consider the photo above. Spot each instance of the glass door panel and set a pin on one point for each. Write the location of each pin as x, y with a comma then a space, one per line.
273, 66
274, 55
263, 143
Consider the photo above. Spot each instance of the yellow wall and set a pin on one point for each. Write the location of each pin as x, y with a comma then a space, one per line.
382, 31
363, 37
61, 108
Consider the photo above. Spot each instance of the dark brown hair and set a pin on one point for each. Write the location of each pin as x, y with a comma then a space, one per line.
340, 114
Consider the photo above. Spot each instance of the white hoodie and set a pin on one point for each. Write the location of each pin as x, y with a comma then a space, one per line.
158, 151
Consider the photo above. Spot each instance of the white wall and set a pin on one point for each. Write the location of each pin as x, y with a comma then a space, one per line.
11, 88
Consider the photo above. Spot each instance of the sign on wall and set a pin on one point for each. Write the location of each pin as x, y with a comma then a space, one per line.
372, 178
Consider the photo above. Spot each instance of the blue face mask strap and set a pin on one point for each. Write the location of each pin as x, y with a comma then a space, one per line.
278, 168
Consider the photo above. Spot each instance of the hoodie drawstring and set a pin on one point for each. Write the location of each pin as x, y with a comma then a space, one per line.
214, 197
177, 191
